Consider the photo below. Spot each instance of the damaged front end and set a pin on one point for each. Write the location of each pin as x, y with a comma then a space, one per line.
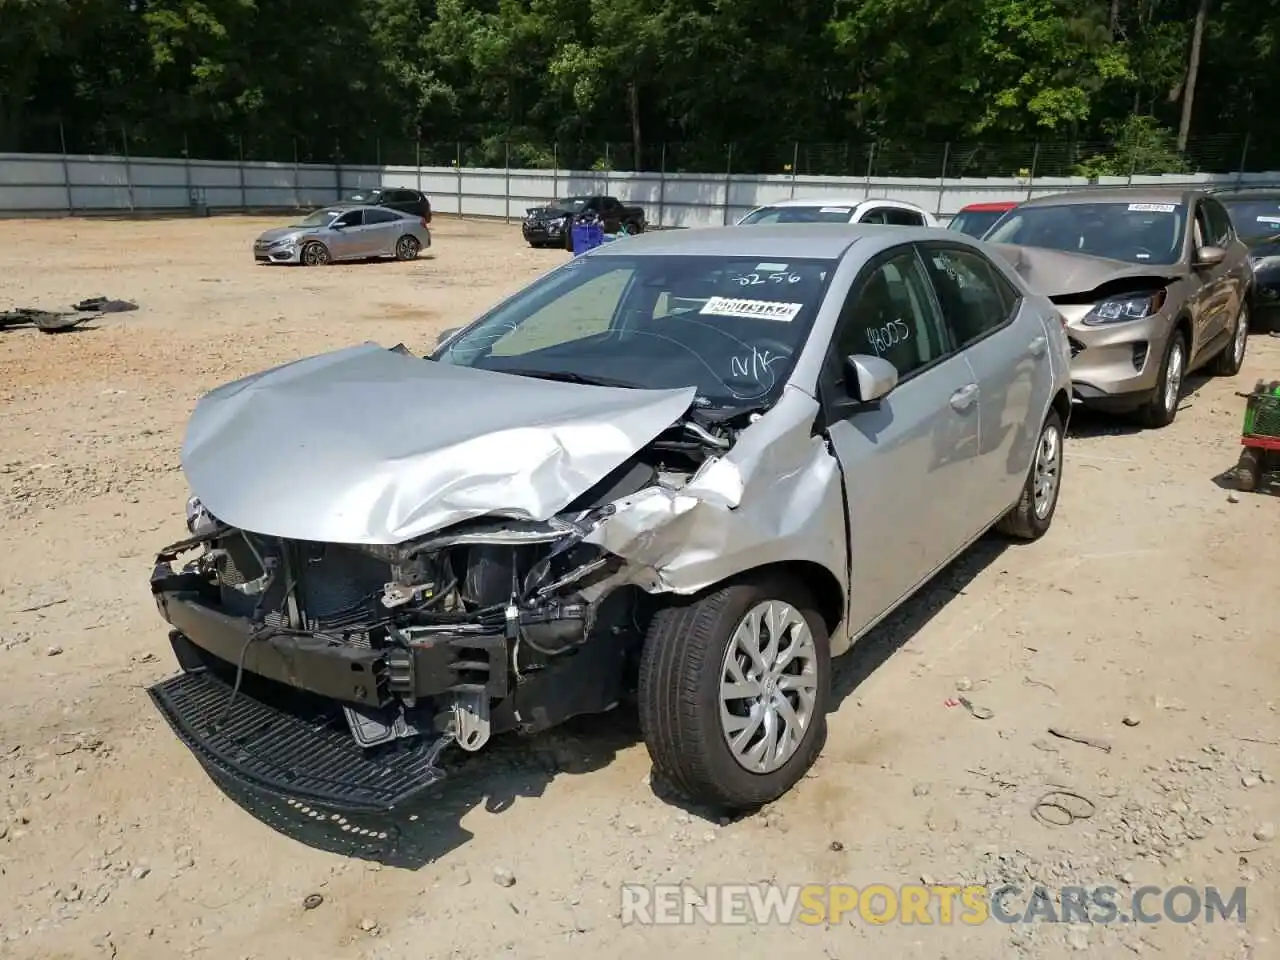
350, 605
446, 639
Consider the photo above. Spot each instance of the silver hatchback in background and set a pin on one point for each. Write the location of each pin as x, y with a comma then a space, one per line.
345, 232
1153, 283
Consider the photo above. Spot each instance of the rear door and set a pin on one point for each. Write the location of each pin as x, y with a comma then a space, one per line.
1008, 348
908, 461
610, 214
380, 231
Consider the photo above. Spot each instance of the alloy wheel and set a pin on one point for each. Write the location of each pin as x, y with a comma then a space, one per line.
768, 686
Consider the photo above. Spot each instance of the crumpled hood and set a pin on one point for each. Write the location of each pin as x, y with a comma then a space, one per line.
281, 233
1055, 273
372, 446
545, 212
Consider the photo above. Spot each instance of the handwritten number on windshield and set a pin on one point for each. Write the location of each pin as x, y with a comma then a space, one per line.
754, 279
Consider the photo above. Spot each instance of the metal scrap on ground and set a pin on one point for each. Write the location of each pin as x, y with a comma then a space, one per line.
58, 321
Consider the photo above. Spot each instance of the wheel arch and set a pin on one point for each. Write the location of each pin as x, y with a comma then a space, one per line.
827, 590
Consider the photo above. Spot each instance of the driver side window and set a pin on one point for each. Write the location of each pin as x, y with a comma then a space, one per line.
892, 315
349, 219
582, 312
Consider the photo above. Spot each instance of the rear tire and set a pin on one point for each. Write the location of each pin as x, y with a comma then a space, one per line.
697, 658
1231, 359
1032, 515
407, 248
315, 254
1161, 410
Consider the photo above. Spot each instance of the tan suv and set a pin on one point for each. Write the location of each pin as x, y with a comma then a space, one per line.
1153, 283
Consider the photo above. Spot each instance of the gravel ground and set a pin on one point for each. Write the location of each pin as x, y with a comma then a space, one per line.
1142, 619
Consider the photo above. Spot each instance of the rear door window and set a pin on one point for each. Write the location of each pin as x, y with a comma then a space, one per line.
975, 299
903, 218
379, 216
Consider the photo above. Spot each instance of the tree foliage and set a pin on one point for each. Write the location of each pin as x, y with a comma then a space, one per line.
265, 78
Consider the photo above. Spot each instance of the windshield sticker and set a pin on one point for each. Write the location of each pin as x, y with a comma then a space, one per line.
751, 309
770, 267
836, 210
1152, 207
1271, 220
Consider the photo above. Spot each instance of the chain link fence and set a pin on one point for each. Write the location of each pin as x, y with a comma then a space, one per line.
1141, 150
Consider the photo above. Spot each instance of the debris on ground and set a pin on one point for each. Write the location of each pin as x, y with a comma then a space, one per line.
104, 305
1081, 738
46, 321
58, 321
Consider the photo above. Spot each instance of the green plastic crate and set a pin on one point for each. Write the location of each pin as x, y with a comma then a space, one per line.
1262, 411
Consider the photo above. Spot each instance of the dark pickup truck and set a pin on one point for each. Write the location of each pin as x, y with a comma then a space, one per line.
550, 226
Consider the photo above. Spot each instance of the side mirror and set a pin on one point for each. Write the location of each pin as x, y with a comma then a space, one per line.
1209, 256
868, 378
337, 226
444, 335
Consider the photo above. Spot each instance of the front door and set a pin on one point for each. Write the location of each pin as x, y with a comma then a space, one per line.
1213, 304
344, 239
908, 462
1008, 348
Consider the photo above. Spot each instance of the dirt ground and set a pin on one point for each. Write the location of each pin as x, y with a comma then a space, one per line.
1147, 617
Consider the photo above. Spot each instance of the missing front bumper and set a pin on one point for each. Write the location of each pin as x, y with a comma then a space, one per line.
306, 756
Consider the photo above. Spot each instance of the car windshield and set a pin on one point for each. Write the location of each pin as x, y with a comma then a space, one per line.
569, 204
798, 214
366, 195
975, 223
319, 218
731, 327
1254, 218
1138, 232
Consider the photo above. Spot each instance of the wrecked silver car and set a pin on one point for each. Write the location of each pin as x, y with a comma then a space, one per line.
1153, 282
690, 469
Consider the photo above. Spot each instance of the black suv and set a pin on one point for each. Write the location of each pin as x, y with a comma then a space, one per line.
396, 198
1255, 212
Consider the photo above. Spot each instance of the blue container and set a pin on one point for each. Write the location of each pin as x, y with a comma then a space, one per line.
586, 236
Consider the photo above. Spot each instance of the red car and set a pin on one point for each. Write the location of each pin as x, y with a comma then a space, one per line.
977, 218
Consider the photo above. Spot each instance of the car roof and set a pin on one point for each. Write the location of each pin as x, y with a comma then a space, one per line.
816, 241
348, 207
989, 206
1144, 194
851, 203
1248, 193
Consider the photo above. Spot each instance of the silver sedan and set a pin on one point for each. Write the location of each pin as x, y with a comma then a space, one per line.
345, 232
703, 462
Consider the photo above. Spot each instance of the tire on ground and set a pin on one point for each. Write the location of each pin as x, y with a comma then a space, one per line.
679, 694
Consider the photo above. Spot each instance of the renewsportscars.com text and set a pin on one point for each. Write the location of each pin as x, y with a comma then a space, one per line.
937, 904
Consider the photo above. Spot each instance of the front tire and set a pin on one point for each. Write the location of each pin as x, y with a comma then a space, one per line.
1163, 407
1032, 516
733, 692
315, 254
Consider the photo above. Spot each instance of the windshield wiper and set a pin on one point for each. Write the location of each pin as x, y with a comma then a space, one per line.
565, 376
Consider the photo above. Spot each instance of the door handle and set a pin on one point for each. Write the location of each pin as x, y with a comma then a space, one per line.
1037, 346
962, 399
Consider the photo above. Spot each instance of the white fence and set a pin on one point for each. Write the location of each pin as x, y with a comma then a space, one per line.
44, 184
